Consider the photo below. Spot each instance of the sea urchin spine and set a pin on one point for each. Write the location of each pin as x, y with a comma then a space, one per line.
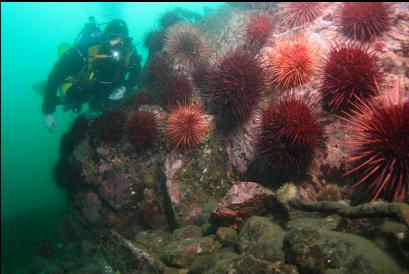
290, 133
235, 85
109, 126
379, 133
363, 21
186, 126
349, 72
186, 45
291, 63
142, 129
295, 14
258, 29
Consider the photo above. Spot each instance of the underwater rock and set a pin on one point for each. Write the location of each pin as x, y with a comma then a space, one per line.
153, 240
226, 235
128, 258
242, 150
83, 155
171, 167
320, 251
262, 239
243, 200
330, 222
182, 253
116, 190
249, 264
91, 207
89, 248
217, 262
195, 181
188, 231
152, 210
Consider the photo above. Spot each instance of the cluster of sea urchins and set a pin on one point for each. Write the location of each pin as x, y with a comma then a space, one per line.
379, 131
290, 133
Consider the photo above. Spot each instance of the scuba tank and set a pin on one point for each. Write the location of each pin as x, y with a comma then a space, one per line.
89, 35
91, 30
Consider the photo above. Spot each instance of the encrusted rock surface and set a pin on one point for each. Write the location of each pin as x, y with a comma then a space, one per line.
323, 251
241, 201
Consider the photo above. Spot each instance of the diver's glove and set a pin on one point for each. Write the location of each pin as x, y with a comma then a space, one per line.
117, 94
50, 122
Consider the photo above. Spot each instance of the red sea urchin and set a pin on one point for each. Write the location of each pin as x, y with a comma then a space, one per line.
235, 84
349, 72
177, 89
169, 18
379, 133
109, 126
142, 97
292, 62
290, 133
186, 45
295, 14
142, 128
186, 126
154, 40
258, 29
155, 73
365, 20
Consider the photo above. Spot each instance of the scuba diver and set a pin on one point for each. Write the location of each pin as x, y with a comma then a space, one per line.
99, 70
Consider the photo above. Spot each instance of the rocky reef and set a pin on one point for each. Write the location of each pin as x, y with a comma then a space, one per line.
214, 205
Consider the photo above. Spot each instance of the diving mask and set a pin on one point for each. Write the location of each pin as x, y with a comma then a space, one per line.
118, 40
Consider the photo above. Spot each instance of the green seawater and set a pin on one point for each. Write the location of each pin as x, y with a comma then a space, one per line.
32, 205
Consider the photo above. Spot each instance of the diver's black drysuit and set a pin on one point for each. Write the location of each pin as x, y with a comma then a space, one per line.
108, 75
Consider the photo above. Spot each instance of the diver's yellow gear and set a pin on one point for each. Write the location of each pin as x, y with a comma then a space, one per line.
65, 86
63, 48
88, 71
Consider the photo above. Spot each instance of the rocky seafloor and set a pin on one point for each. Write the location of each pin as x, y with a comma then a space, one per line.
214, 209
